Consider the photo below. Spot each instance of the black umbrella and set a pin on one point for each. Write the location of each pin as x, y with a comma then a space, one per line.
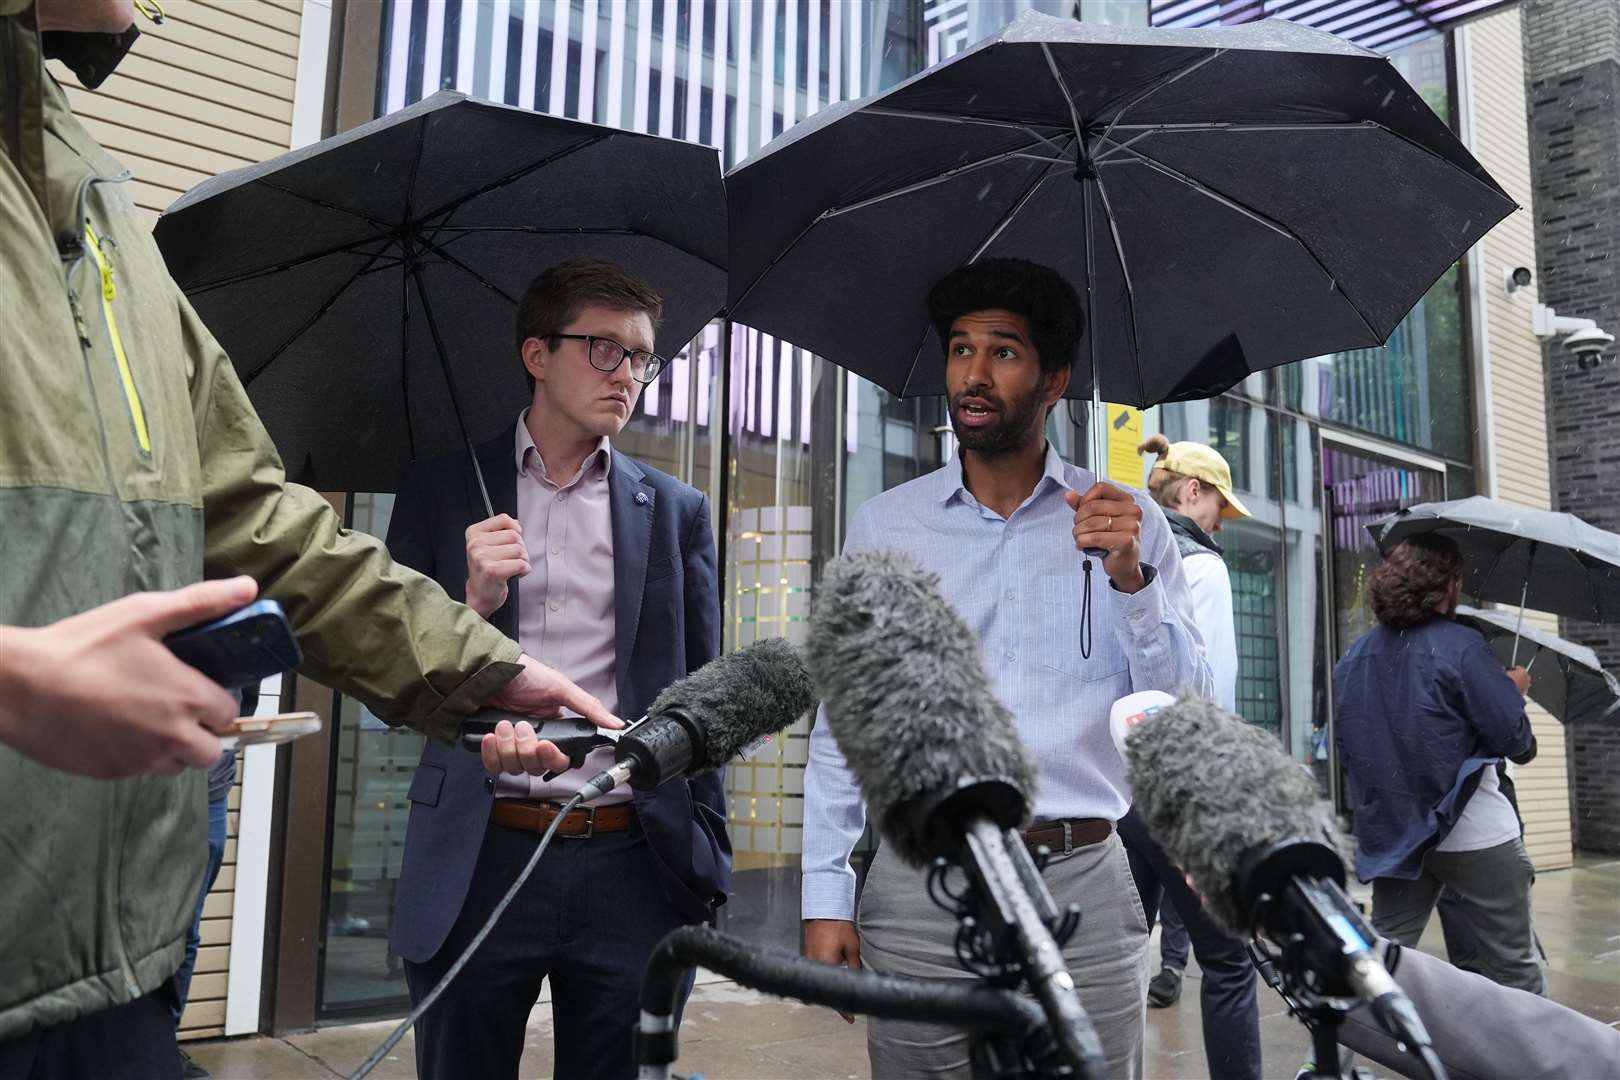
1514, 555
366, 286
1226, 199
1569, 682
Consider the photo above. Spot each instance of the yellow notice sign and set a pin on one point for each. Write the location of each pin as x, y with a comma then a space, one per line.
1124, 435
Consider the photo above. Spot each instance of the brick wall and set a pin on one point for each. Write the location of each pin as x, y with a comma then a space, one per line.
1572, 74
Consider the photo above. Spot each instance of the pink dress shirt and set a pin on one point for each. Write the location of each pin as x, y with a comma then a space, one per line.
565, 603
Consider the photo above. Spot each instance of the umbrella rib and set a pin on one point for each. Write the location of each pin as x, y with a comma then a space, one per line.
1260, 219
908, 189
1000, 227
1130, 291
956, 118
836, 211
1349, 125
1068, 98
517, 174
548, 230
1007, 219
1143, 131
1149, 91
469, 271
266, 271
311, 321
324, 205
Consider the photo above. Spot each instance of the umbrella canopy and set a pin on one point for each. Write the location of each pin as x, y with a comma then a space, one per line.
1565, 678
1514, 555
366, 287
1225, 200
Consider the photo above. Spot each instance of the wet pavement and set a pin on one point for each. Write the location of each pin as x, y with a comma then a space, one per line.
735, 1034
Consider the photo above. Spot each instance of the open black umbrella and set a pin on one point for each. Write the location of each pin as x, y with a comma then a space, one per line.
1225, 200
1565, 678
366, 287
1512, 554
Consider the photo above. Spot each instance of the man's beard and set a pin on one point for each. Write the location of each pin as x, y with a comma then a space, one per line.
1014, 427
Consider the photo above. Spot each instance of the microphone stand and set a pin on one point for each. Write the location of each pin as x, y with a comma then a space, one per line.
1014, 1042
1011, 933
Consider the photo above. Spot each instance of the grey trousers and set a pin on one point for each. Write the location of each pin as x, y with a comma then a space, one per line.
1491, 908
904, 933
1483, 1031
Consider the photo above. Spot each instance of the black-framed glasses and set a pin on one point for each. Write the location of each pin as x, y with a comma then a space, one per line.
606, 355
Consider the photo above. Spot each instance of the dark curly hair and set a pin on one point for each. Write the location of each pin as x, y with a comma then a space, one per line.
1408, 587
1038, 293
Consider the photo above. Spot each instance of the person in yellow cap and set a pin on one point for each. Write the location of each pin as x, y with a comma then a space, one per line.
1194, 486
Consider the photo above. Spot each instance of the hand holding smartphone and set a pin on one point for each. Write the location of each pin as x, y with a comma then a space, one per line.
249, 644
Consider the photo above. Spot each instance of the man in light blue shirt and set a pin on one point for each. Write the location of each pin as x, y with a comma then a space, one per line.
1004, 525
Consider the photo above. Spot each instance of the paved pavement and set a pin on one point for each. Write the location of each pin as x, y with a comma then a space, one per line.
735, 1034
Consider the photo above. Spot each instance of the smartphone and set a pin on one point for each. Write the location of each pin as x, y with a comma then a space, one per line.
254, 730
249, 644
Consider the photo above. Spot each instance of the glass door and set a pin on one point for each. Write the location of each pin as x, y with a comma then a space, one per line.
1361, 483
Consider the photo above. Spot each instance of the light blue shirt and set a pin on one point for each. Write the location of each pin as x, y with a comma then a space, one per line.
1017, 583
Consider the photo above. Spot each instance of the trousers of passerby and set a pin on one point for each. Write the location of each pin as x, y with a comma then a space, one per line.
1227, 992
1173, 940
1489, 908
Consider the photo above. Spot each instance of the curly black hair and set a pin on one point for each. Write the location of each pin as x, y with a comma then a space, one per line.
1408, 587
1038, 293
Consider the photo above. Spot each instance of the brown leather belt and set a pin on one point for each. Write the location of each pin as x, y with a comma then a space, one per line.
1065, 835
579, 824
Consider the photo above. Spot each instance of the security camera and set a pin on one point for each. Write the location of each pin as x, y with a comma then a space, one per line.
1516, 278
1582, 337
1588, 344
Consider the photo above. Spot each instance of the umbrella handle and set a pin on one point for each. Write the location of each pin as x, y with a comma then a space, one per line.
1524, 594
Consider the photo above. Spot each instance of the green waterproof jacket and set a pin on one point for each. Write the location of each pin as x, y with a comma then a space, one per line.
130, 460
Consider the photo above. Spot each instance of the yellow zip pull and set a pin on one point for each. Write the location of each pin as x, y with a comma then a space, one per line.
109, 291
132, 396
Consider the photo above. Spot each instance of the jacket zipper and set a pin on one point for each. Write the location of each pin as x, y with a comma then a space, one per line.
132, 395
14, 110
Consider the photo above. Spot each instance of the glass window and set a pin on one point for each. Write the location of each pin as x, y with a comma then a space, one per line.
1357, 489
1115, 12
769, 544
371, 772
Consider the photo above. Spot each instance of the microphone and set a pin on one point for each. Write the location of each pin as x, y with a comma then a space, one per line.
726, 707
938, 760
1244, 822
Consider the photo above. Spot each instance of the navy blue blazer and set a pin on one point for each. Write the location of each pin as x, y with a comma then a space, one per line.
667, 613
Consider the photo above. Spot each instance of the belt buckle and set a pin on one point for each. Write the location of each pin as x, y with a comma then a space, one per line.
590, 824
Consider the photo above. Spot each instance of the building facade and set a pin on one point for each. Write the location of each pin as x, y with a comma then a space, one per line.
787, 444
1572, 83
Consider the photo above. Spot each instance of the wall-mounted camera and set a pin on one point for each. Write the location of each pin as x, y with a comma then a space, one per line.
1583, 338
1516, 278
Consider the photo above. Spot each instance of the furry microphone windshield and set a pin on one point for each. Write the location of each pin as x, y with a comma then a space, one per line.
1214, 789
911, 707
740, 698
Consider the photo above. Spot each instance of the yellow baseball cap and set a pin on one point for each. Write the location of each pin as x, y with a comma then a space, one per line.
1206, 464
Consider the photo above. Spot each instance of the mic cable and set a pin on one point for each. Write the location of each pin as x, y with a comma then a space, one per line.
472, 946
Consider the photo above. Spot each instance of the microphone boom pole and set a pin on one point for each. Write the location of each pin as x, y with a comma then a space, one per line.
994, 858
997, 1012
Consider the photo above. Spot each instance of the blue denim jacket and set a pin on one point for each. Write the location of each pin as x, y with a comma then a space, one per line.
1419, 713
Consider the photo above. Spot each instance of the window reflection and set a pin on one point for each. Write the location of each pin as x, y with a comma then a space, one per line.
370, 776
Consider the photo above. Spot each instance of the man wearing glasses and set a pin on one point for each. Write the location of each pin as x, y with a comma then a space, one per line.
603, 568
